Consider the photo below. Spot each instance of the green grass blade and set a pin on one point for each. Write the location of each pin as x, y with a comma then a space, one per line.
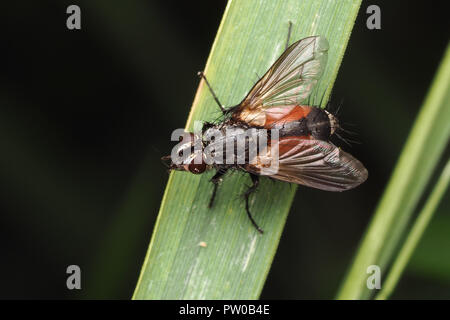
421, 153
236, 260
416, 233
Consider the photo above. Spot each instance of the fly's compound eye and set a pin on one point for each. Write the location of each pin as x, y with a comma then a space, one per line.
197, 168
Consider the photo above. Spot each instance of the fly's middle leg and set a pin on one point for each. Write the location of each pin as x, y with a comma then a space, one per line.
216, 179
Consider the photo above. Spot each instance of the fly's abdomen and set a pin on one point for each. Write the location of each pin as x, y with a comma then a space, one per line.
318, 124
305, 122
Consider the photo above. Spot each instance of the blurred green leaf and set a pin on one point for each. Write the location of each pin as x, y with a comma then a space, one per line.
427, 262
421, 153
415, 234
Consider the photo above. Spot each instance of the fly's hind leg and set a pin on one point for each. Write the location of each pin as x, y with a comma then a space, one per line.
250, 190
216, 179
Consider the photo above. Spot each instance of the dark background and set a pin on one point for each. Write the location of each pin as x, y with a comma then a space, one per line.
86, 115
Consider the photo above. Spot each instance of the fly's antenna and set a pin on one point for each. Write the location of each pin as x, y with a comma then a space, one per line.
202, 75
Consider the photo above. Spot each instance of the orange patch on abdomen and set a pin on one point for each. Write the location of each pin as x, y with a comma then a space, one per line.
280, 115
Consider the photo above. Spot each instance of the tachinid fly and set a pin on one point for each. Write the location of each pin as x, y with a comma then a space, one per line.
304, 153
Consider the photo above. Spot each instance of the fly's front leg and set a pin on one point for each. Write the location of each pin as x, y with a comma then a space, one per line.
216, 179
202, 76
250, 190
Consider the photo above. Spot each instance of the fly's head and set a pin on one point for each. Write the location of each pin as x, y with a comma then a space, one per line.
187, 155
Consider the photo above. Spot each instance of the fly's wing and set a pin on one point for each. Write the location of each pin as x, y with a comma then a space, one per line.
289, 81
313, 163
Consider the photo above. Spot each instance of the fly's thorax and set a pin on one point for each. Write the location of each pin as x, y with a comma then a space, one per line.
233, 144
